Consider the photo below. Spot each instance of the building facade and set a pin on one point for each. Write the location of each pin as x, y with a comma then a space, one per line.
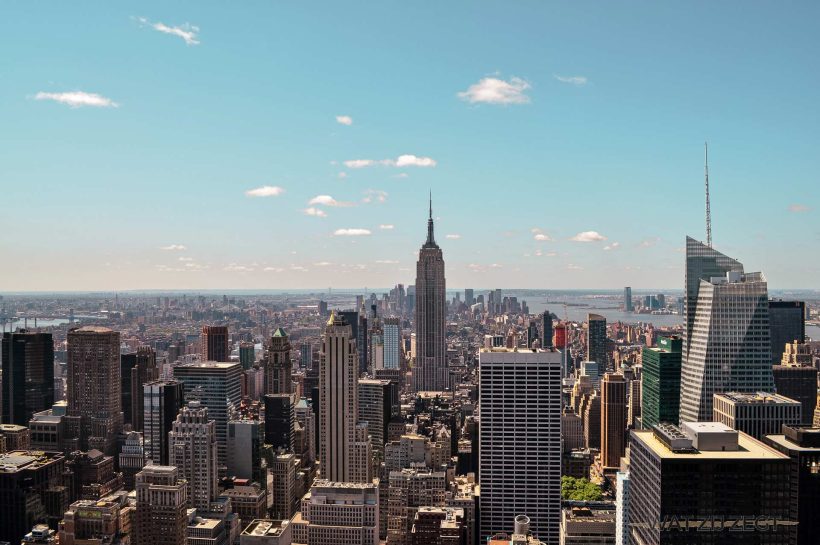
28, 375
660, 382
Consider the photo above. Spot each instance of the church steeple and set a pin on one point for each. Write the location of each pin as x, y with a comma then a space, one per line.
431, 240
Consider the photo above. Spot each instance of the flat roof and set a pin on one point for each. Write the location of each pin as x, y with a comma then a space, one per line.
785, 442
748, 448
757, 398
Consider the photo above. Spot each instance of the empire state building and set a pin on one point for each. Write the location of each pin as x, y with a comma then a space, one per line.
430, 372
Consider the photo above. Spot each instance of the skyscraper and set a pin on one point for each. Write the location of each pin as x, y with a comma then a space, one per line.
28, 375
729, 347
628, 299
596, 342
430, 372
136, 369
162, 499
162, 400
215, 343
613, 419
520, 440
546, 330
660, 378
247, 355
339, 404
280, 420
278, 364
192, 450
94, 415
787, 324
392, 343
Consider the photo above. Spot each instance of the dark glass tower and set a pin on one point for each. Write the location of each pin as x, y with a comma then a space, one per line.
660, 382
787, 323
28, 375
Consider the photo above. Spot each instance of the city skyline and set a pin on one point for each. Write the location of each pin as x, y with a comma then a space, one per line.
187, 147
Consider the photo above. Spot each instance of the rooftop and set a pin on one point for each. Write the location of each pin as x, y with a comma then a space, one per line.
265, 527
757, 398
19, 460
748, 447
91, 329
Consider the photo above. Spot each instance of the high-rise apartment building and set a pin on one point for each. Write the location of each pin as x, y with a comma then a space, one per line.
613, 420
94, 416
192, 450
341, 437
702, 484
787, 324
218, 386
660, 382
162, 501
430, 372
378, 404
28, 375
162, 400
758, 414
278, 365
729, 348
392, 343
215, 345
596, 342
520, 440
333, 513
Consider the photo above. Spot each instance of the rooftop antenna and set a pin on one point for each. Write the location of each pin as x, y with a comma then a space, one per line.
708, 210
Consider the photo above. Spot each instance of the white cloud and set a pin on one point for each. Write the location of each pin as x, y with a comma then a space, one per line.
401, 175
454, 236
542, 237
298, 268
375, 195
327, 200
265, 191
344, 120
572, 80
187, 31
183, 258
343, 175
318, 212
386, 226
387, 261
273, 269
173, 248
588, 236
573, 267
496, 266
613, 246
351, 232
649, 242
77, 99
497, 91
233, 267
798, 208
406, 160
323, 264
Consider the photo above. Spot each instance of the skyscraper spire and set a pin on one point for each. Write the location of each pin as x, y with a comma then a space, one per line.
431, 240
708, 211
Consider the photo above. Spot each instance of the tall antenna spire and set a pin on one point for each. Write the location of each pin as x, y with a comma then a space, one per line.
431, 241
708, 210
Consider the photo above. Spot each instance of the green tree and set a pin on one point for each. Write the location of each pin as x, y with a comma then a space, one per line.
579, 490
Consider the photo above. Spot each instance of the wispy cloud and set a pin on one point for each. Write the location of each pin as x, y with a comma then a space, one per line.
298, 268
317, 212
342, 175
78, 99
387, 261
375, 195
539, 235
327, 200
613, 246
351, 232
344, 120
265, 191
183, 258
386, 226
323, 264
573, 267
497, 91
588, 236
273, 269
233, 267
406, 160
798, 208
453, 236
401, 175
174, 248
649, 242
572, 80
187, 31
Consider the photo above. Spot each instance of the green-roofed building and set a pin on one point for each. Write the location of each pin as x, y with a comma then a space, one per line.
660, 382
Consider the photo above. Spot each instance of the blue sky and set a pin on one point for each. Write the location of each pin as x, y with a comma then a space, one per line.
131, 127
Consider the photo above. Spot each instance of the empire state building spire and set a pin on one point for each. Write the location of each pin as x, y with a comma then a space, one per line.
431, 239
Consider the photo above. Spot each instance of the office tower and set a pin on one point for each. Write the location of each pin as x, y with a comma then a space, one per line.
438, 526
192, 450
15, 437
802, 446
613, 419
48, 429
31, 490
469, 297
787, 324
410, 489
622, 508
572, 431
278, 365
706, 476
162, 501
661, 299
88, 521
162, 400
520, 440
246, 439
338, 512
591, 413
592, 369
218, 387
560, 336
248, 499
94, 416
247, 355
132, 458
633, 405
628, 299
729, 349
596, 342
585, 525
306, 442
376, 350
533, 335
280, 420
282, 491
214, 343
757, 414
378, 404
91, 475
341, 437
28, 375
136, 369
392, 343
660, 382
546, 330
430, 372
798, 382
